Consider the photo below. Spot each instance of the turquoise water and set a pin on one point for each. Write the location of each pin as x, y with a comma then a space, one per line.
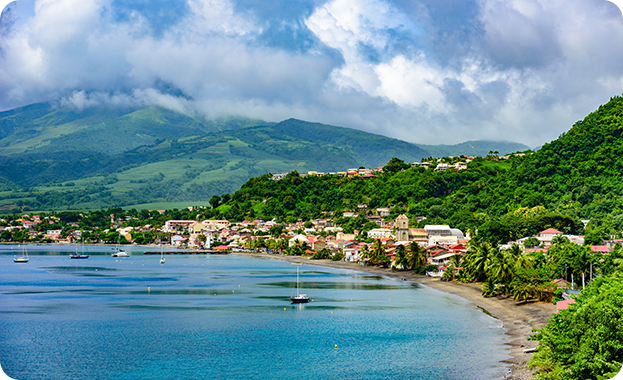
223, 317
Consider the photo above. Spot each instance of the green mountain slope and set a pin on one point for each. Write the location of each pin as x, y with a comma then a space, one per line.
61, 157
45, 128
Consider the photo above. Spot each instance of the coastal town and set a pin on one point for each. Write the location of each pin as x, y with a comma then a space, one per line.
439, 243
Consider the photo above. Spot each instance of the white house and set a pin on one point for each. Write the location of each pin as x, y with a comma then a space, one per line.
380, 233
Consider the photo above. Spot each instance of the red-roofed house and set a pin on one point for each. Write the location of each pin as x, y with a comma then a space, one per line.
548, 235
600, 248
458, 248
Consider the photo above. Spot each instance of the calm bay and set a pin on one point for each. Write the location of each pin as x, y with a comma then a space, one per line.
230, 317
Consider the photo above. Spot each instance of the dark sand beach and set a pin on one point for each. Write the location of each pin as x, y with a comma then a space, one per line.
518, 319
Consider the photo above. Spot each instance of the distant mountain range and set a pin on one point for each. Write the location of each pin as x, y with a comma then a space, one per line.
57, 158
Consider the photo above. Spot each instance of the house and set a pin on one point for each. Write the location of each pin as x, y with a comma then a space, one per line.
177, 240
383, 211
342, 236
441, 258
547, 236
424, 165
562, 283
349, 214
317, 243
217, 224
297, 239
442, 167
177, 225
418, 234
379, 233
603, 249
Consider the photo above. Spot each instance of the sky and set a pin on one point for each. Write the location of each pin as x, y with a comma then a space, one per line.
424, 71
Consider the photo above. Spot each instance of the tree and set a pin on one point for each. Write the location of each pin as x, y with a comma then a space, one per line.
395, 165
401, 257
531, 242
416, 257
584, 341
276, 229
215, 201
378, 255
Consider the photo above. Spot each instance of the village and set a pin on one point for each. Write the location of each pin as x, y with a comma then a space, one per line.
438, 243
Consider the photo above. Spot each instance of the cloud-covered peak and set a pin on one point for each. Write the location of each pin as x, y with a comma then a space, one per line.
431, 71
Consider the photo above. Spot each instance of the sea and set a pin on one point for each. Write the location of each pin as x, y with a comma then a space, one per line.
230, 317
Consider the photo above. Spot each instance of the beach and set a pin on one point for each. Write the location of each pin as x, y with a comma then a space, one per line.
518, 319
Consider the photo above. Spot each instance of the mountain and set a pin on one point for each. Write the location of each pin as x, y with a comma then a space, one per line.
46, 128
53, 157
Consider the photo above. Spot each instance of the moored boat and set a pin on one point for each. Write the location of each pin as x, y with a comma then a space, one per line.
21, 259
299, 298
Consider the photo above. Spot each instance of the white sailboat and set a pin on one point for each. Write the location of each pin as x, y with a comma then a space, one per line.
299, 298
161, 256
119, 252
21, 259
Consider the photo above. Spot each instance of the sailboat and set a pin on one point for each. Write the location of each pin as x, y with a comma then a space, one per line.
161, 256
299, 298
119, 252
78, 255
21, 259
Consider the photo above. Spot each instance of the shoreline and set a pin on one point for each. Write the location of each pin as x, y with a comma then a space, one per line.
518, 320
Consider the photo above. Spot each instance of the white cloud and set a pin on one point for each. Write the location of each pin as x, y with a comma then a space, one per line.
522, 70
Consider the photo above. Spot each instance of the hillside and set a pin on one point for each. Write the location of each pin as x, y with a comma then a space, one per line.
574, 178
54, 158
46, 128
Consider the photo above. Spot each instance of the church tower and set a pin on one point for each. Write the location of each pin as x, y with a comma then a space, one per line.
402, 228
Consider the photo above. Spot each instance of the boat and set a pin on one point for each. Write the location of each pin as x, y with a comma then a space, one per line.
79, 255
21, 259
299, 298
161, 256
119, 252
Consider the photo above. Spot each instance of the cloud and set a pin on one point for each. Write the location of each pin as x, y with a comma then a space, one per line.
430, 71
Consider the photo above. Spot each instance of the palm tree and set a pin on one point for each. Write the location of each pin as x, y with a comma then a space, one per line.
480, 259
364, 253
401, 256
416, 257
378, 254
500, 267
